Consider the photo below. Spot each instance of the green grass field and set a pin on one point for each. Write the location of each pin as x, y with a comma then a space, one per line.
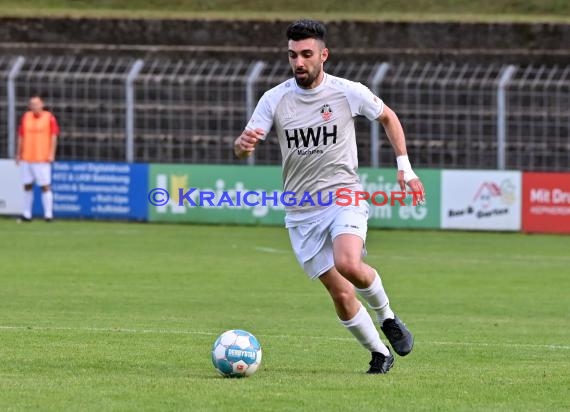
454, 10
112, 316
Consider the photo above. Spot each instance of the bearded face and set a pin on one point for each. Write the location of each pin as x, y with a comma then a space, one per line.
306, 58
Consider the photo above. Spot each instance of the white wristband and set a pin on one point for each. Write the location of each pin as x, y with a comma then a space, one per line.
404, 163
405, 166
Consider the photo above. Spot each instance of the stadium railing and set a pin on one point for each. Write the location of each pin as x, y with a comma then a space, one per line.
455, 116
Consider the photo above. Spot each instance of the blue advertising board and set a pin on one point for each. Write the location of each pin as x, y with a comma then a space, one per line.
98, 190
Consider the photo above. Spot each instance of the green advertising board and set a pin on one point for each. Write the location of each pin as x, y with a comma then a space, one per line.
187, 181
407, 216
215, 178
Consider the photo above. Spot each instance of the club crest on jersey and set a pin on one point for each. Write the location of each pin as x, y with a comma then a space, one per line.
326, 112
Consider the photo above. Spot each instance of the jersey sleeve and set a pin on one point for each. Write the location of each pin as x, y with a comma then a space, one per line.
262, 117
54, 126
363, 102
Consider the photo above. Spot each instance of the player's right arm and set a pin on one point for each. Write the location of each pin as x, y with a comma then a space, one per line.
20, 143
245, 144
260, 123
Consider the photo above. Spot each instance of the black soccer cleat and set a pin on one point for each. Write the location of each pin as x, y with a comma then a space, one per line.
380, 364
24, 219
400, 338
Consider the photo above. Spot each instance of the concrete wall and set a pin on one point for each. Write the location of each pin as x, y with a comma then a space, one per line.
539, 43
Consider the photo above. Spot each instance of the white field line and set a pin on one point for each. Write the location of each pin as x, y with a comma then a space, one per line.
326, 338
270, 250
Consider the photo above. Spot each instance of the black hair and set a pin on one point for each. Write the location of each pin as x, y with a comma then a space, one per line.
307, 29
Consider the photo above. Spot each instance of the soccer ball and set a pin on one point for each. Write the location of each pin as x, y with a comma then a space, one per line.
236, 353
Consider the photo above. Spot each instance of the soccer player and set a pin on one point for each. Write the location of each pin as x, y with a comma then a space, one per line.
313, 114
37, 144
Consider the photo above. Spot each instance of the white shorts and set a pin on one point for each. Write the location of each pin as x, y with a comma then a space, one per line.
312, 234
35, 172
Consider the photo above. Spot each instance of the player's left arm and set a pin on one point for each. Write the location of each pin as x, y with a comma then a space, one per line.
54, 133
406, 176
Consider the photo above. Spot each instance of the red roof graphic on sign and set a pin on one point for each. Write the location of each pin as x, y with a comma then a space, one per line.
486, 192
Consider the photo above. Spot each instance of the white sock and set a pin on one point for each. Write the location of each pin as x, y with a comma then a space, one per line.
376, 297
363, 329
28, 202
47, 202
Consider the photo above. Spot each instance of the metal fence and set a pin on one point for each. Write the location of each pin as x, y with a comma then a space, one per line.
454, 115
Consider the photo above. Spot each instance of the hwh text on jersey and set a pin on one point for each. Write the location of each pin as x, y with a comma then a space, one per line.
302, 137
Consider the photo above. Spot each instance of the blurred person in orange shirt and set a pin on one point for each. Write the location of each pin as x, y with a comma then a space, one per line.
37, 145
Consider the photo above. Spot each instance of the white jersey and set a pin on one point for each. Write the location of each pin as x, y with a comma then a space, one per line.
315, 128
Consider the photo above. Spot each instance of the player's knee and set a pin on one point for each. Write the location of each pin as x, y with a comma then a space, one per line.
348, 267
29, 187
46, 188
